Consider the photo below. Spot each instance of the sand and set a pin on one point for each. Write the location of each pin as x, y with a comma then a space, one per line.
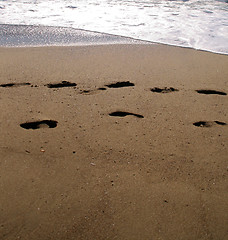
149, 173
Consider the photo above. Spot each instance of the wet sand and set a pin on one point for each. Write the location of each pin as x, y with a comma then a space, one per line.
113, 142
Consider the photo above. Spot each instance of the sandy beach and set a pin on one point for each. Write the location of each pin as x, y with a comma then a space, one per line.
113, 142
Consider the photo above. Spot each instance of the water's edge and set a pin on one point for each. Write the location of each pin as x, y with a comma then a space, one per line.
12, 35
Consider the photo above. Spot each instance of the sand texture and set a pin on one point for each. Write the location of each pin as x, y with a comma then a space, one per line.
113, 142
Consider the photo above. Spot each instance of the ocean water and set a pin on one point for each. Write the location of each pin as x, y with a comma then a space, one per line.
199, 24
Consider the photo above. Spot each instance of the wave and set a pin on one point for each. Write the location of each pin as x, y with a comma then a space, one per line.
199, 24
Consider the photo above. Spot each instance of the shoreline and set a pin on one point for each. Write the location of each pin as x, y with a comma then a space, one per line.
113, 142
114, 39
110, 44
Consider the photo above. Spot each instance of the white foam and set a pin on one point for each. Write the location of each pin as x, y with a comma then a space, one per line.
201, 24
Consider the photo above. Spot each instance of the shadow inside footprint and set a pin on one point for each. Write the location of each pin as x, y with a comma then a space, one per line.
85, 91
61, 84
210, 92
39, 124
220, 123
14, 84
164, 90
120, 84
102, 89
208, 123
124, 114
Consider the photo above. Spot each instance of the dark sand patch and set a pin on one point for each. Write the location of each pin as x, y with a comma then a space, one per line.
39, 124
164, 90
61, 84
14, 84
120, 84
124, 114
211, 92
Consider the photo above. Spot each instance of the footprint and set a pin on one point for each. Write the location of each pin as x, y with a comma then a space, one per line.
39, 124
92, 91
164, 90
208, 123
210, 92
14, 84
61, 84
88, 92
124, 114
85, 91
120, 84
220, 123
102, 89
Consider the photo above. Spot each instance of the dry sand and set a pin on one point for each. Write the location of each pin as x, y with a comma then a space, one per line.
96, 176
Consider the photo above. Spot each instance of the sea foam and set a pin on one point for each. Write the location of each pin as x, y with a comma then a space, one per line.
199, 24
